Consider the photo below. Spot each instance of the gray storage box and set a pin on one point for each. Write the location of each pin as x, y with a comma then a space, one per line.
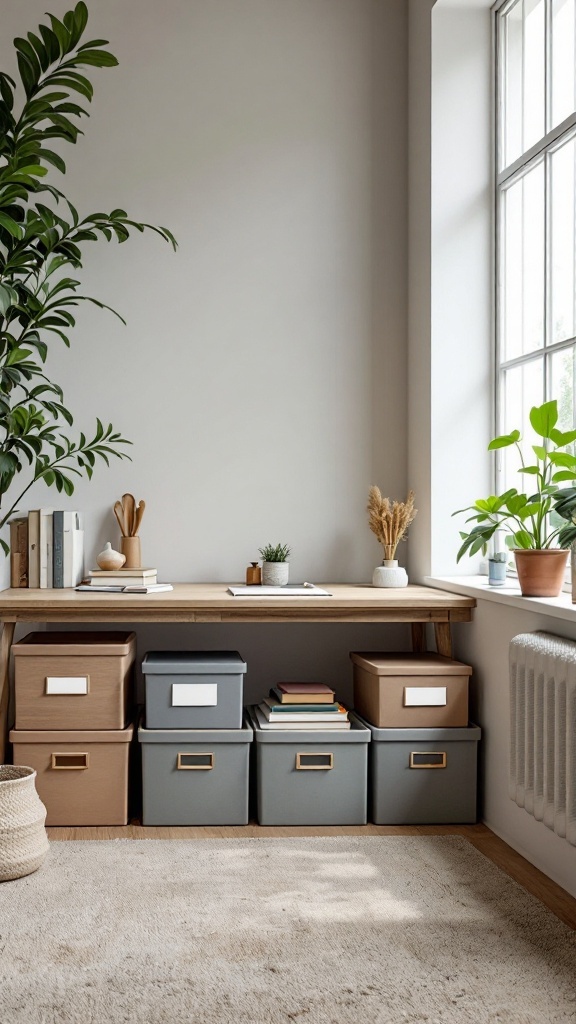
311, 776
193, 689
195, 776
423, 776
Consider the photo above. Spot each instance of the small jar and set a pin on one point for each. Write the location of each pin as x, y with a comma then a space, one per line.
253, 575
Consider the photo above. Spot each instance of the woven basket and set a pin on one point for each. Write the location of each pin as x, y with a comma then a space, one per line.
23, 839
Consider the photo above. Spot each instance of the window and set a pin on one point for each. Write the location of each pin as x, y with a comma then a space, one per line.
535, 213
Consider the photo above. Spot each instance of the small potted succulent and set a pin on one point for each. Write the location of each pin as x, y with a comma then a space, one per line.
540, 546
275, 567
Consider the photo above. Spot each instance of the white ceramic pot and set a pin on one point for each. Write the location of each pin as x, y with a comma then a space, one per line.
389, 574
23, 839
110, 559
275, 574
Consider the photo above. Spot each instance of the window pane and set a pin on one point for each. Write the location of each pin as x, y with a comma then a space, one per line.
522, 323
523, 388
563, 237
562, 375
563, 59
524, 77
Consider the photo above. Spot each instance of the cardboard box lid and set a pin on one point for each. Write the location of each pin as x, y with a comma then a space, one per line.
169, 663
72, 736
407, 664
76, 644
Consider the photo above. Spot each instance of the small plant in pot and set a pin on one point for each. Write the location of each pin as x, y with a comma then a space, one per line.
540, 546
275, 567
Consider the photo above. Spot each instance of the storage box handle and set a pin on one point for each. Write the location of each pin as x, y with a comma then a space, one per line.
428, 759
314, 762
196, 761
71, 761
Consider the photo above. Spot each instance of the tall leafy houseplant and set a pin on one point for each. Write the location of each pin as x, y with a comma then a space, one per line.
528, 518
42, 238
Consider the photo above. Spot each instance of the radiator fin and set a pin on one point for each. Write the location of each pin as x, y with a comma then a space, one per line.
543, 729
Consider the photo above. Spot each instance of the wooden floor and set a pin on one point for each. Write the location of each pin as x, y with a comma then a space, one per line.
533, 880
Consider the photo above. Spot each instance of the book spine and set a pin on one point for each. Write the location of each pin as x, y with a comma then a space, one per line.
45, 546
58, 550
19, 552
33, 549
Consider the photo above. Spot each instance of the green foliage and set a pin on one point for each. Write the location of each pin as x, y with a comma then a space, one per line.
275, 553
42, 237
529, 518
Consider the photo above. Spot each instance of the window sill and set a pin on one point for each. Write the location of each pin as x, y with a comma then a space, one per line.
477, 586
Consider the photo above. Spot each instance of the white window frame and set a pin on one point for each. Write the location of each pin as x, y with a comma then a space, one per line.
504, 177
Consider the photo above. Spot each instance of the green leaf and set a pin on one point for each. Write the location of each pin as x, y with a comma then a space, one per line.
563, 474
539, 451
11, 226
522, 539
504, 441
50, 42
562, 438
544, 418
61, 33
562, 459
532, 470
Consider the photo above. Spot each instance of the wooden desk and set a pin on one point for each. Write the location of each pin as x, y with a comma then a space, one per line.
210, 602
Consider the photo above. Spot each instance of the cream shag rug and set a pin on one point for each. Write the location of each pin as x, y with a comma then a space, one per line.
343, 930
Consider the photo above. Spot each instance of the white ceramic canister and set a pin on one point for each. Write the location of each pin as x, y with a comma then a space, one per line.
389, 574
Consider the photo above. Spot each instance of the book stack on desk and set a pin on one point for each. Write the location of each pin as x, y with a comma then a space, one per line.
302, 706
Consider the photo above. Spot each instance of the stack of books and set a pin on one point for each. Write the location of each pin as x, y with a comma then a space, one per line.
124, 580
46, 549
302, 706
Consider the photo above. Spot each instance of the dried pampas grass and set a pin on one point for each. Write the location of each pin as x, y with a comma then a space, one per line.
390, 520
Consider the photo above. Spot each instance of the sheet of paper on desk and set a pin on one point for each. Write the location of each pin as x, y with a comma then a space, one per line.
288, 591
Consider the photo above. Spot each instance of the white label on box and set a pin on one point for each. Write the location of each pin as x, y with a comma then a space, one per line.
66, 684
424, 696
194, 695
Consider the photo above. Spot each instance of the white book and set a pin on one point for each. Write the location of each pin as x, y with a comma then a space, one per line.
73, 556
45, 540
290, 590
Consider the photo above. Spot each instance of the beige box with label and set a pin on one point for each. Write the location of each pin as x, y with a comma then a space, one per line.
73, 680
412, 691
81, 776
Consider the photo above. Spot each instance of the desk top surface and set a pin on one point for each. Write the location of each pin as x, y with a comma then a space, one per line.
211, 602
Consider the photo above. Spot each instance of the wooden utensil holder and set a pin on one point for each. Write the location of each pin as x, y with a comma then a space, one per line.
130, 546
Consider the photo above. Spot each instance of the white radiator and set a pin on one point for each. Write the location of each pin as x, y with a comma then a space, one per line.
543, 729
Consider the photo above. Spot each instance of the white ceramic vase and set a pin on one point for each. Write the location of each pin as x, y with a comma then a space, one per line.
23, 839
275, 574
389, 574
110, 559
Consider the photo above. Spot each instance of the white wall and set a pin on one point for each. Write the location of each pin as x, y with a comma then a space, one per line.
262, 359
450, 343
262, 374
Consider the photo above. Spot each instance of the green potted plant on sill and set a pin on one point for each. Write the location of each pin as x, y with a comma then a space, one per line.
540, 547
275, 567
42, 239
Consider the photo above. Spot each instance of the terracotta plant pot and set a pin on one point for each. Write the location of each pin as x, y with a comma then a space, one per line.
541, 573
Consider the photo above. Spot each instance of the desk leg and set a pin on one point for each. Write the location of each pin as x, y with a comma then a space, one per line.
419, 637
5, 645
443, 636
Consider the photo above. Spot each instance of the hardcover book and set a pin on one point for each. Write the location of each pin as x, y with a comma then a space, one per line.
304, 693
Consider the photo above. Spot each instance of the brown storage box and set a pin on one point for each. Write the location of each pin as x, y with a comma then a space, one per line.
73, 680
411, 691
82, 777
